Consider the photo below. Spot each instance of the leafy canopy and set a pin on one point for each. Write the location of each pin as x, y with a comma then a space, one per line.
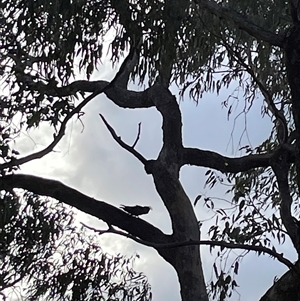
45, 45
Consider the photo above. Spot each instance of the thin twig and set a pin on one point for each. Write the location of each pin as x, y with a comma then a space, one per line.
137, 136
57, 138
222, 244
279, 116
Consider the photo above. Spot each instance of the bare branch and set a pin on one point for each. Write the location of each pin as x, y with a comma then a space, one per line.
115, 92
137, 136
68, 90
122, 143
223, 244
204, 158
106, 212
259, 249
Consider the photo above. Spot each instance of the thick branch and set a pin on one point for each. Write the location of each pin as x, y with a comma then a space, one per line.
242, 22
167, 105
286, 288
108, 213
281, 169
292, 55
116, 92
127, 66
68, 90
121, 79
193, 156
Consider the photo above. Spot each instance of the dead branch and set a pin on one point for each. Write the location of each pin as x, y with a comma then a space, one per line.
122, 143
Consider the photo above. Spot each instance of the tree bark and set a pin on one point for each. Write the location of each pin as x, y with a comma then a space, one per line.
188, 266
286, 288
185, 260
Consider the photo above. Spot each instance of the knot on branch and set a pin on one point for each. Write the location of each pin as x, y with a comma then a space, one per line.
149, 167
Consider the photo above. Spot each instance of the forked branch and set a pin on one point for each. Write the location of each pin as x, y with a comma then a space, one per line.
122, 143
222, 244
57, 138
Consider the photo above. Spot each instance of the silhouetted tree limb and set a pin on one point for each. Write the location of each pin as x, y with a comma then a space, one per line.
281, 169
122, 143
204, 158
223, 244
285, 288
74, 198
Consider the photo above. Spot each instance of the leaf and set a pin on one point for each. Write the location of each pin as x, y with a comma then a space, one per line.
241, 205
236, 267
215, 270
207, 172
197, 199
228, 279
233, 284
229, 112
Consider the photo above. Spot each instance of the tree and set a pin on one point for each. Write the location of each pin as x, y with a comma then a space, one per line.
45, 45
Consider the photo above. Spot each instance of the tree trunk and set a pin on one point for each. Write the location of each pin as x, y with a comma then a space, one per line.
285, 289
185, 260
190, 275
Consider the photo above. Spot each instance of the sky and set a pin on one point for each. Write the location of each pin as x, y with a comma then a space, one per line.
89, 160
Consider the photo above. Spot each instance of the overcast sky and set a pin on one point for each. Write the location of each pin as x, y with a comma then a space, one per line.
89, 160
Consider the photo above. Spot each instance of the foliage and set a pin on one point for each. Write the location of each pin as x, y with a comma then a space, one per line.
46, 46
44, 256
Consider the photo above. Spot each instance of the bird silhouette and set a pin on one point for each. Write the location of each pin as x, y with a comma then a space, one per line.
136, 210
